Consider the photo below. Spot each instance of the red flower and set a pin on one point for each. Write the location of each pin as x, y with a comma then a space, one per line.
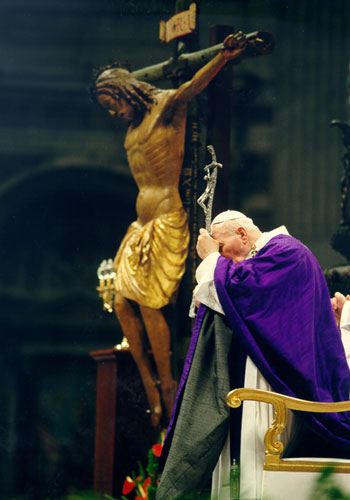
140, 498
128, 485
146, 483
157, 449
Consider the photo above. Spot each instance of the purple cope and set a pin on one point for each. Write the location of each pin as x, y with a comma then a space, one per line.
278, 304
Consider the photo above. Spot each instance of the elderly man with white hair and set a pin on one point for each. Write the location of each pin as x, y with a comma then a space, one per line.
264, 321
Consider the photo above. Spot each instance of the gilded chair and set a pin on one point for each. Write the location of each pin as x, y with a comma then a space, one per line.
288, 479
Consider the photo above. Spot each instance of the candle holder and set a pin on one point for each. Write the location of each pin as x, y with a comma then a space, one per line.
106, 289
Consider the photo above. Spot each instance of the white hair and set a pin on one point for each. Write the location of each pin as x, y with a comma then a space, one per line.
230, 226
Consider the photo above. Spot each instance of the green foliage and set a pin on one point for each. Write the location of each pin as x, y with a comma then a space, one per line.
85, 495
326, 489
152, 472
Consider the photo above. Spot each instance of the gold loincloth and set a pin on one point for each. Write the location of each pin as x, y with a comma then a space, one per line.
151, 259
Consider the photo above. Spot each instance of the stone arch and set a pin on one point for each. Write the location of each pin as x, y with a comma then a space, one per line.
56, 223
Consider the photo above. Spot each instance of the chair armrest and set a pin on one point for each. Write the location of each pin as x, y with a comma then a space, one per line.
274, 447
234, 399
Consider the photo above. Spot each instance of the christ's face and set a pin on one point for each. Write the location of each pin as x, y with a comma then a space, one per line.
116, 106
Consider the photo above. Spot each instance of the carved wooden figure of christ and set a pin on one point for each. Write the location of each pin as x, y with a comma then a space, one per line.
151, 259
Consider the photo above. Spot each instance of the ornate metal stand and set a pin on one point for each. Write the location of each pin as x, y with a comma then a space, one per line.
341, 239
338, 277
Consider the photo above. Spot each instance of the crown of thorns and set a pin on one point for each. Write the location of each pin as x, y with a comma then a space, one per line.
96, 72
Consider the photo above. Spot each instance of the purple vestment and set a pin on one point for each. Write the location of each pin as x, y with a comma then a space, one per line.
279, 306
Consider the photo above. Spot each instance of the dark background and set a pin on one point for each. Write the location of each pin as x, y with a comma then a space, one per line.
66, 195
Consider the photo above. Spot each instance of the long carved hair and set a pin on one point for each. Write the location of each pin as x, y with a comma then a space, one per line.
117, 81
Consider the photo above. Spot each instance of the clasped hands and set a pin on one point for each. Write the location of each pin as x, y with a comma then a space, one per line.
206, 244
338, 302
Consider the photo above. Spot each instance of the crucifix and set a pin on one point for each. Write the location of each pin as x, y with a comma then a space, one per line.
178, 69
151, 259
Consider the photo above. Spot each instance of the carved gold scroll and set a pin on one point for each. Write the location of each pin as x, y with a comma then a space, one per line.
273, 446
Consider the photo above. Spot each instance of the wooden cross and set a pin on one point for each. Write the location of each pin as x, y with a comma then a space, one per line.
178, 69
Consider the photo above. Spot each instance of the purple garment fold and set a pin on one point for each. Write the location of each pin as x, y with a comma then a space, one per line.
279, 306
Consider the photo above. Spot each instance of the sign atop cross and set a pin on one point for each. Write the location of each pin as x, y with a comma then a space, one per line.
181, 24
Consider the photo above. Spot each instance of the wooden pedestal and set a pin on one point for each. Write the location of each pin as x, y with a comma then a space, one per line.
124, 432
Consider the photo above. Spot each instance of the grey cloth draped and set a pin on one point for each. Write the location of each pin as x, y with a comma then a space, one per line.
203, 419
